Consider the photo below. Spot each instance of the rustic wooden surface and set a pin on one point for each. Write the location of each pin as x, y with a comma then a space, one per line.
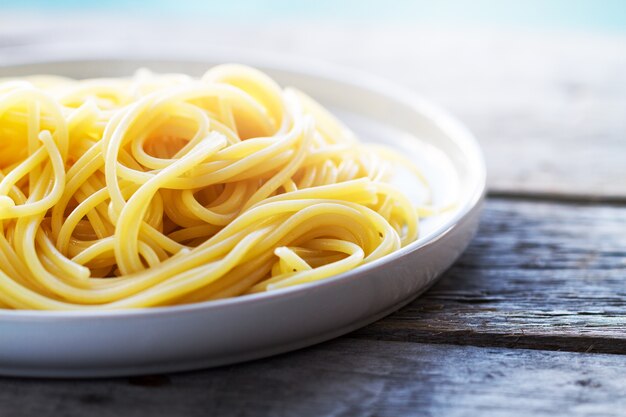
521, 325
349, 377
539, 275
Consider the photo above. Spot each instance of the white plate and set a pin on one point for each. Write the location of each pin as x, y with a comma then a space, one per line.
128, 342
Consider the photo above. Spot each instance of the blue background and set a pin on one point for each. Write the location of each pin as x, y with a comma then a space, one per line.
592, 15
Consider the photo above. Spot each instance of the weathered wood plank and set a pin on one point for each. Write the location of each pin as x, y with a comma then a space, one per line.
538, 275
349, 377
548, 107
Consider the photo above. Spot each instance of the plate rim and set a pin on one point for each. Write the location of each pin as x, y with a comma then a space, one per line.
455, 130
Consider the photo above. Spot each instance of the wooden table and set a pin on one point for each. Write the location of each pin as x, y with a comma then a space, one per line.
530, 321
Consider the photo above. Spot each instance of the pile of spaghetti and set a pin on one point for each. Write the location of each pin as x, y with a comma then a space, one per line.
166, 189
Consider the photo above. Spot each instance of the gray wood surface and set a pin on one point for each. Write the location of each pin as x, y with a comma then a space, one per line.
539, 275
349, 377
548, 107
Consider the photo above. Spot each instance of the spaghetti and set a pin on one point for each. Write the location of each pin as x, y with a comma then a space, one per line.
164, 189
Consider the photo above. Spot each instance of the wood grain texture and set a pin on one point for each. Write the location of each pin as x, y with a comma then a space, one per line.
538, 275
548, 107
349, 377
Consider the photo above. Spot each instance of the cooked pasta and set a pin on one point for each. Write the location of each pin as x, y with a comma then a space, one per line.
161, 190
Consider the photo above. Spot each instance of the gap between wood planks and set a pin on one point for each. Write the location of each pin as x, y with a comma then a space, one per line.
564, 198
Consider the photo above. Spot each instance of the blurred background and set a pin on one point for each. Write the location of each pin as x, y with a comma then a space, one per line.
577, 14
541, 82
